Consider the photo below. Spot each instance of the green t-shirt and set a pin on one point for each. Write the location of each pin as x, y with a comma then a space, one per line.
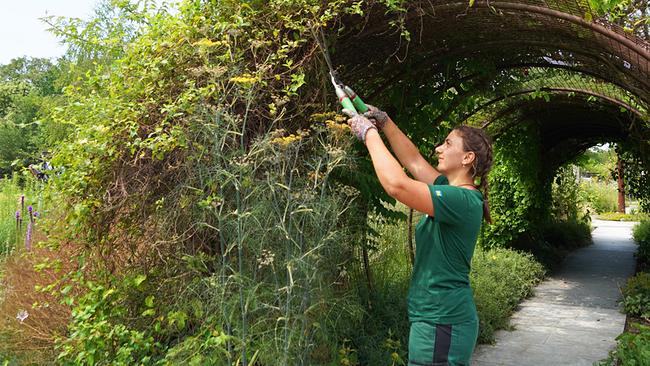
440, 290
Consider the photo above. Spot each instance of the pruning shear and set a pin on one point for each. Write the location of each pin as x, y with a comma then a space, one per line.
347, 97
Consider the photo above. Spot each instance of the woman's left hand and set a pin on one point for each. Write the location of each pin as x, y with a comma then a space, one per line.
359, 124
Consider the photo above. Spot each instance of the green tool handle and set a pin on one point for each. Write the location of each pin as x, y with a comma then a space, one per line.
344, 99
356, 100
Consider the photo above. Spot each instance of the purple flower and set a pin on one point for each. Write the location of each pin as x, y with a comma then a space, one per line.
30, 209
28, 236
17, 215
37, 214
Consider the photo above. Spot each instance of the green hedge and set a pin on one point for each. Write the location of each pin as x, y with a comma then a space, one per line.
632, 348
641, 234
636, 295
501, 278
633, 345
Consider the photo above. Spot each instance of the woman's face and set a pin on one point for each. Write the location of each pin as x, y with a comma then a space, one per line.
451, 155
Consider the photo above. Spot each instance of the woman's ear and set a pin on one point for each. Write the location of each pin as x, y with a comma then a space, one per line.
469, 158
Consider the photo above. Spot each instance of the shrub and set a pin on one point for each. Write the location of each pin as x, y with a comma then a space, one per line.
599, 196
632, 347
501, 278
567, 234
636, 295
97, 336
641, 235
565, 202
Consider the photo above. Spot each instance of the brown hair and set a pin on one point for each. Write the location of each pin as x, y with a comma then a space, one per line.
478, 142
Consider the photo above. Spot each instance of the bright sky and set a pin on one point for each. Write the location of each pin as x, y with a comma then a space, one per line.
23, 34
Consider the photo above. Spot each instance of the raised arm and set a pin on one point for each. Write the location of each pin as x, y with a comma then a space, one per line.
413, 193
406, 152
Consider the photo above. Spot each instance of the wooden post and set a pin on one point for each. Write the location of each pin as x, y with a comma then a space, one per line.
621, 187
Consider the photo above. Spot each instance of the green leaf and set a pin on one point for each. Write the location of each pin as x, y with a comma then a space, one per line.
149, 312
66, 289
149, 301
139, 279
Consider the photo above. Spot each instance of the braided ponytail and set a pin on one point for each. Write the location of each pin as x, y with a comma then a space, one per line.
477, 141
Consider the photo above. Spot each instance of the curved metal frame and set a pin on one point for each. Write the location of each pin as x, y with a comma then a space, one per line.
555, 91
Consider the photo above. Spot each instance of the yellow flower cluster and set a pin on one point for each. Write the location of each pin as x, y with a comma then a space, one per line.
288, 140
208, 43
245, 79
320, 117
339, 127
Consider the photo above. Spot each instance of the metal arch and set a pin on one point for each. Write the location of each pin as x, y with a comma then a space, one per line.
505, 112
552, 90
529, 9
477, 47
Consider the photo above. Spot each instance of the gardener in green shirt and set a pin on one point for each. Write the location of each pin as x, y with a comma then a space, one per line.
444, 322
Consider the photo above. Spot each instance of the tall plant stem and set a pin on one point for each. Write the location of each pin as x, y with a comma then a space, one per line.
240, 254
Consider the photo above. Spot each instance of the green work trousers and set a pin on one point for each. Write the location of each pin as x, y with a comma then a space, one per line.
442, 344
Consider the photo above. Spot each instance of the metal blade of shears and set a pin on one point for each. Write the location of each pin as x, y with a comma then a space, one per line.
321, 44
339, 88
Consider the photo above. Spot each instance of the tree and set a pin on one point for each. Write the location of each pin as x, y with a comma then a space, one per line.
27, 87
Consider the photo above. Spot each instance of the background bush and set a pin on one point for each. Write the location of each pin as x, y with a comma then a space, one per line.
619, 216
641, 235
501, 278
599, 196
636, 295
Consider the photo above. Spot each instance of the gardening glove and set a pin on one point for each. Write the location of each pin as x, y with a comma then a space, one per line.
359, 124
377, 116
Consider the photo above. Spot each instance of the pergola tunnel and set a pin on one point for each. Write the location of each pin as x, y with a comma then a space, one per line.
582, 79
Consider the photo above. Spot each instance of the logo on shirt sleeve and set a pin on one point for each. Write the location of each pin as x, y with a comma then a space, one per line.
438, 193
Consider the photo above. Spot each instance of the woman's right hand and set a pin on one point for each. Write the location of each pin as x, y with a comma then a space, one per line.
377, 116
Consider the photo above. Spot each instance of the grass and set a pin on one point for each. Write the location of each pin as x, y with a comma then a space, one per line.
619, 216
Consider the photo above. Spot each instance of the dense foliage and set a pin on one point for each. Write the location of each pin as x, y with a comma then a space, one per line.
28, 91
641, 234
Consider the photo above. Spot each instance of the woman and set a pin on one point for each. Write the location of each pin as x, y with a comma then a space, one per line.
442, 314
